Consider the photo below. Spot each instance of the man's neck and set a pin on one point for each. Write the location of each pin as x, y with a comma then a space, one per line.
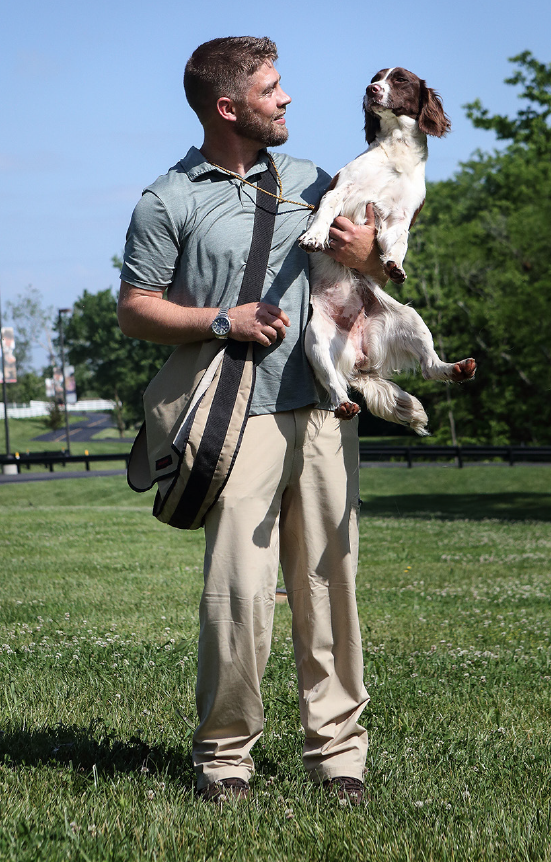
237, 156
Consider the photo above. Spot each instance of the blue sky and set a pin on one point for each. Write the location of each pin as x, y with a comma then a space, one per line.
93, 105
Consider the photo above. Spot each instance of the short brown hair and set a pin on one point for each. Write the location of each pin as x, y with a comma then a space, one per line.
221, 68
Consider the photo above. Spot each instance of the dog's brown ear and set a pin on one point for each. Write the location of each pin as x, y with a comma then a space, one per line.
432, 119
372, 126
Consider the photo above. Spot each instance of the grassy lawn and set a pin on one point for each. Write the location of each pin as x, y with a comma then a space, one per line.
98, 632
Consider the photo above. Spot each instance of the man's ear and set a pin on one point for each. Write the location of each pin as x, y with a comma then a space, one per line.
226, 108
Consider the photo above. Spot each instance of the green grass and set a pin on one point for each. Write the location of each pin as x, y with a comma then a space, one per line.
98, 631
474, 492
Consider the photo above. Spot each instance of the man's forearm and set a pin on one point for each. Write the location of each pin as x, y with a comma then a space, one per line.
145, 314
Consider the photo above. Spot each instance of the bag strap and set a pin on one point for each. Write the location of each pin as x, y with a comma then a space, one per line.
235, 357
261, 243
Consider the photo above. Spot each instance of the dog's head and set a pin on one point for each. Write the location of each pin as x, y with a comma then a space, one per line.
406, 95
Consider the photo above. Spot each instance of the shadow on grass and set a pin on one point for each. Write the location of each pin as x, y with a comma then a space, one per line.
511, 506
91, 749
84, 748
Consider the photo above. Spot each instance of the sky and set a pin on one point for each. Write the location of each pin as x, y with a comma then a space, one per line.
93, 107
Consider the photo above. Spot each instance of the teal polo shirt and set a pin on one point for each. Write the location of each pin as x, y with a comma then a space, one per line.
190, 236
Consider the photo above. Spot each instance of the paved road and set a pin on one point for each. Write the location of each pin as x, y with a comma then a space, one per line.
83, 430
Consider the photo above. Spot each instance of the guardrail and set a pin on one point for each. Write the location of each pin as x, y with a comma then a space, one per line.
459, 454
49, 459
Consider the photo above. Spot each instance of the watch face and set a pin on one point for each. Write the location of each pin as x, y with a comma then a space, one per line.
221, 326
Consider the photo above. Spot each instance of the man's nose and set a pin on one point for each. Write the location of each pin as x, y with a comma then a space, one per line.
283, 98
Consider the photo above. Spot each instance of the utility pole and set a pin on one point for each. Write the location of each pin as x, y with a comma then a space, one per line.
61, 312
4, 390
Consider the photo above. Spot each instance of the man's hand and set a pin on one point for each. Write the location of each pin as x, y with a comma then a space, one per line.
355, 245
258, 321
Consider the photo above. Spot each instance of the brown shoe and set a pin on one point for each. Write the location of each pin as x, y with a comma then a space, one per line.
225, 789
347, 789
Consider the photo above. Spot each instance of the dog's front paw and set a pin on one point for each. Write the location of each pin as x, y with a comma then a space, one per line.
347, 410
312, 242
394, 272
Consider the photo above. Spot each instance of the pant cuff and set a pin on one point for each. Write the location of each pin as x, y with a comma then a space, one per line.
208, 776
326, 773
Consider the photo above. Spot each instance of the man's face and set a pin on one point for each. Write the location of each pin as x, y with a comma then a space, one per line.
261, 113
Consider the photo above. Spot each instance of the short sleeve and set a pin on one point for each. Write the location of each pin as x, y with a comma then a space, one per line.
152, 245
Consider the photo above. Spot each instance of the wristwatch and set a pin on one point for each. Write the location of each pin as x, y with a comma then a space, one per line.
221, 325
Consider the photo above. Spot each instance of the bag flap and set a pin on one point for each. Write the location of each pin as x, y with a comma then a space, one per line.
168, 397
138, 474
184, 505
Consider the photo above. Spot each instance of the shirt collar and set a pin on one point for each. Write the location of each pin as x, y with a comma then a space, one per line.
195, 165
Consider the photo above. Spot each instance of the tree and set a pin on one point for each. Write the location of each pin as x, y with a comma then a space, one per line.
107, 363
480, 274
33, 324
530, 126
29, 387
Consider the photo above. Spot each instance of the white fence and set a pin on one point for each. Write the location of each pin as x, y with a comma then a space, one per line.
40, 408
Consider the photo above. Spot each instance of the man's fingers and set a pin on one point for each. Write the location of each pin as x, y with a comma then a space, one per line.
336, 237
258, 321
342, 228
274, 321
273, 330
276, 313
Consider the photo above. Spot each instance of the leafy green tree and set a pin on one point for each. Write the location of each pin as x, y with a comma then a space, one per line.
480, 275
530, 126
55, 417
107, 363
29, 387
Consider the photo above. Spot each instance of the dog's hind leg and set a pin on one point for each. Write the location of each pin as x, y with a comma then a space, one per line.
409, 341
455, 372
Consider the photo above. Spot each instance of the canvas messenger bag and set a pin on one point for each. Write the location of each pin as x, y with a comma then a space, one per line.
197, 406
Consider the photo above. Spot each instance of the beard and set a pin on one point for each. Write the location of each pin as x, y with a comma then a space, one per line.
261, 129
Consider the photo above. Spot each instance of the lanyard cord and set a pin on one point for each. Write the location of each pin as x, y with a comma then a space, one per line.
279, 197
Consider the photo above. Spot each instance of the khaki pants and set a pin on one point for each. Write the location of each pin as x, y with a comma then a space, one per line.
292, 497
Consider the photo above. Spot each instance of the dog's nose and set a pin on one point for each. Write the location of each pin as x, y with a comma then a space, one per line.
373, 89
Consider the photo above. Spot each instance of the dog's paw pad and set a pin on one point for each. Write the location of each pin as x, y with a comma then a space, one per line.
394, 272
464, 370
347, 410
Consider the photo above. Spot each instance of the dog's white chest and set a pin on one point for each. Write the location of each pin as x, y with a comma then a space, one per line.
390, 175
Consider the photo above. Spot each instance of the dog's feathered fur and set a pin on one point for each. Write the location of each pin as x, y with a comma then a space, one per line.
358, 335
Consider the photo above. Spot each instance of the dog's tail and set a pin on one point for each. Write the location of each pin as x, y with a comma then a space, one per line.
385, 399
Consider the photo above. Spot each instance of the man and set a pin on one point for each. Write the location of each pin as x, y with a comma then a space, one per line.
293, 493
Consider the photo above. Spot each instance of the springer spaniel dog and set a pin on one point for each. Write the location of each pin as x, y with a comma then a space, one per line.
358, 335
